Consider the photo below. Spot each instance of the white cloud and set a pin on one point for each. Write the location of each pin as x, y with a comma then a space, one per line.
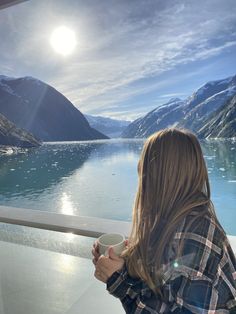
123, 47
177, 95
150, 51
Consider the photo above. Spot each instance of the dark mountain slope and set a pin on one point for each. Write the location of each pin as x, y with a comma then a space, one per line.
221, 123
43, 111
10, 135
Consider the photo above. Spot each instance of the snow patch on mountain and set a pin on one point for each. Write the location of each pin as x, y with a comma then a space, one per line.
110, 127
191, 113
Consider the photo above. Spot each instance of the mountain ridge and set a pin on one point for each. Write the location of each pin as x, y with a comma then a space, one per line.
222, 123
192, 113
43, 111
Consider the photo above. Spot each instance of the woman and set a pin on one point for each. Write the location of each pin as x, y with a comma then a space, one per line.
178, 258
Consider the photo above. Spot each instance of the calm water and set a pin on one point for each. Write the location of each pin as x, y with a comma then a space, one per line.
100, 178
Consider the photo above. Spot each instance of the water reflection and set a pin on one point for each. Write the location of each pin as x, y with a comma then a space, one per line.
36, 170
221, 158
100, 178
221, 161
67, 207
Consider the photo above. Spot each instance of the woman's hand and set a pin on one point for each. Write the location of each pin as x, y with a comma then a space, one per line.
105, 266
95, 252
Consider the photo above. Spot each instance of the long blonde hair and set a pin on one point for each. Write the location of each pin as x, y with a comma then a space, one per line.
173, 181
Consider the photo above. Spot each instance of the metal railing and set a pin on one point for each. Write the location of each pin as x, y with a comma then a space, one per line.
85, 226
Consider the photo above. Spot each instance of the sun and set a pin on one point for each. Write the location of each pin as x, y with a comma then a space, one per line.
63, 40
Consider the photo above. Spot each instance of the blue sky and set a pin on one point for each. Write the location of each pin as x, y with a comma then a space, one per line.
131, 55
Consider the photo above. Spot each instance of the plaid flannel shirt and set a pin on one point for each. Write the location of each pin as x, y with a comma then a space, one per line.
202, 280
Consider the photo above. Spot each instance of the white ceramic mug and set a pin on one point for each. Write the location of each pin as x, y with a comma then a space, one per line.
116, 240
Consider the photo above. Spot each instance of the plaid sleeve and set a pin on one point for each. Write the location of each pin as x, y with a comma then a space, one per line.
201, 280
131, 292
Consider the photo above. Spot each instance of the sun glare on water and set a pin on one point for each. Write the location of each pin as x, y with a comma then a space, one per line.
63, 40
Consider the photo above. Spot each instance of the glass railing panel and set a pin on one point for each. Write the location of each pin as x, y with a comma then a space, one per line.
39, 274
66, 243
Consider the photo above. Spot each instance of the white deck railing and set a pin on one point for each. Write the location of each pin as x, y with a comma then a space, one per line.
84, 226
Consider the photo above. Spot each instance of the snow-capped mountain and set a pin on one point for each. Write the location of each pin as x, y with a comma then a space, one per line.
209, 89
199, 112
222, 123
161, 117
192, 113
41, 110
110, 127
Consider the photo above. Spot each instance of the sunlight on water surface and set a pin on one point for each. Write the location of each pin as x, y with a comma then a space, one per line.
100, 178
